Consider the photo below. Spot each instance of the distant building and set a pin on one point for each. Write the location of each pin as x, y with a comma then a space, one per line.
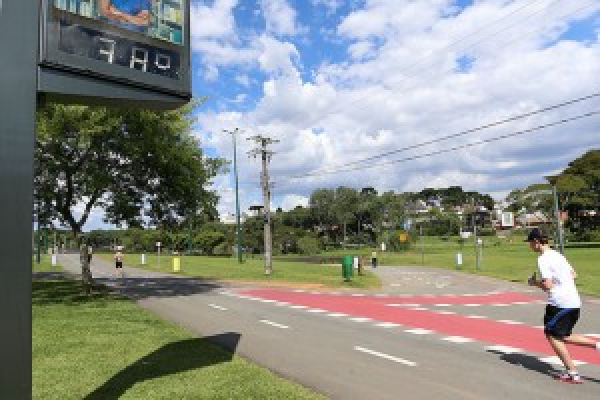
230, 219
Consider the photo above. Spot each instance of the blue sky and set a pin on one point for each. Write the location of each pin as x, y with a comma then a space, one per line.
339, 81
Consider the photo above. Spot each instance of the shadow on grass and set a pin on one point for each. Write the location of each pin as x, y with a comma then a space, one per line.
170, 359
55, 289
49, 288
534, 364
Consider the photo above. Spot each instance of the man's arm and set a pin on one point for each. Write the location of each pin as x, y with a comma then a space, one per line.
543, 283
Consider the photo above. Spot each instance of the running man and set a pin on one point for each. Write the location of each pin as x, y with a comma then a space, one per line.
557, 279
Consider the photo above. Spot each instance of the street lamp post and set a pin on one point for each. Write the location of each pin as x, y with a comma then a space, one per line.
552, 180
237, 201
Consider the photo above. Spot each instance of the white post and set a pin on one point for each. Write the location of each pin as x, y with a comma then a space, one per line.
158, 248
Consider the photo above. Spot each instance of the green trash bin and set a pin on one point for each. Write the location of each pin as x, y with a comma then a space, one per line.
347, 267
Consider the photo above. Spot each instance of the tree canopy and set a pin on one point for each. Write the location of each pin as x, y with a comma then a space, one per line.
141, 167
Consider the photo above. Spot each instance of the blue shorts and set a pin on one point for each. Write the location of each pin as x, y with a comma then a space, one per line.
559, 322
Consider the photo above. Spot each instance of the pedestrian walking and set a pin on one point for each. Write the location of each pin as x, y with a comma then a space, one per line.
119, 262
374, 259
90, 252
557, 279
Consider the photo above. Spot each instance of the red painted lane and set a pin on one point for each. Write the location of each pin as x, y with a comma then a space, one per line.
492, 298
524, 337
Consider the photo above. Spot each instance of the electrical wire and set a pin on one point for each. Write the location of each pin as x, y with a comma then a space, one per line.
462, 133
438, 152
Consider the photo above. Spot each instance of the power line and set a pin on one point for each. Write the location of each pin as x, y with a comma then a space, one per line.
433, 153
455, 135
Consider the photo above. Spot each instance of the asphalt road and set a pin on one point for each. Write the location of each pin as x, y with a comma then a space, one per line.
429, 334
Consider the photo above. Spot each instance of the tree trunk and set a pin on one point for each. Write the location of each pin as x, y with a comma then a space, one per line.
86, 272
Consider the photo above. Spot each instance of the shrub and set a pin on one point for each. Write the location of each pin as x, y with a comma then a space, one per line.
308, 245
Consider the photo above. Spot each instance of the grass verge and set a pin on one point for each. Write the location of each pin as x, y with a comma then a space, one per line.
225, 268
106, 347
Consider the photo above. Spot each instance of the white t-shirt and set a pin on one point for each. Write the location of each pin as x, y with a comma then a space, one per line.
555, 267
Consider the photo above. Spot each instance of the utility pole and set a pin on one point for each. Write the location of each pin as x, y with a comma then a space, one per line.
238, 234
263, 142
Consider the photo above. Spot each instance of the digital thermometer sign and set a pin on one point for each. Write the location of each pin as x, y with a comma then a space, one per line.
140, 43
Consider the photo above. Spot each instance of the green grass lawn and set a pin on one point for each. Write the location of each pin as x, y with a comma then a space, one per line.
226, 268
501, 258
513, 261
45, 265
106, 347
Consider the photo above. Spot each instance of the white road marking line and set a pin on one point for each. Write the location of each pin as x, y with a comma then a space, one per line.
282, 303
594, 335
419, 331
445, 312
266, 321
386, 356
520, 303
471, 305
360, 319
476, 316
403, 305
337, 315
457, 339
357, 294
510, 322
298, 307
316, 310
442, 305
556, 360
504, 349
387, 325
539, 326
217, 307
501, 305
418, 309
268, 301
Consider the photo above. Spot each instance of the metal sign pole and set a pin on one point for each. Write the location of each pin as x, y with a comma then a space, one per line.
18, 90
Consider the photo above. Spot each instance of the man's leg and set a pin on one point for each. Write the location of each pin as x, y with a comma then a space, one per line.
580, 340
561, 351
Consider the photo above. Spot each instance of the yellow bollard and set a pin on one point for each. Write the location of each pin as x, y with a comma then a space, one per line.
176, 264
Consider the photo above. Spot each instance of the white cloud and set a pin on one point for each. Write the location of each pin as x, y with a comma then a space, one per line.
214, 22
409, 90
280, 17
289, 202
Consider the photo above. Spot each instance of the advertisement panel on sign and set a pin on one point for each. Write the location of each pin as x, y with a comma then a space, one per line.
161, 19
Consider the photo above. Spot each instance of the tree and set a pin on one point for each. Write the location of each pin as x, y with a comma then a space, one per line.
578, 187
345, 207
321, 204
140, 167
